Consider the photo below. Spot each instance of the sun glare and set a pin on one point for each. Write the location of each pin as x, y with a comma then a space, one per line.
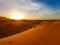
17, 16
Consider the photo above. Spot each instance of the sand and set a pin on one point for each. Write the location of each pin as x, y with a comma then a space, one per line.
45, 33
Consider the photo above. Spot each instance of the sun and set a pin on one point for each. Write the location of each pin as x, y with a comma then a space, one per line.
17, 16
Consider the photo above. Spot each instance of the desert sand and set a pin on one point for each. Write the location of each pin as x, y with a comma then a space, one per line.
45, 33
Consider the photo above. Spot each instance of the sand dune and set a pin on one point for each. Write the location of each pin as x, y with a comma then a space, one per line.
45, 33
10, 27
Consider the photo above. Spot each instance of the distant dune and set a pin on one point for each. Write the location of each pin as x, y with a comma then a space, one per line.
44, 33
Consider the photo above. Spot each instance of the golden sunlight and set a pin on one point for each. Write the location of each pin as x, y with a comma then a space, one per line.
17, 16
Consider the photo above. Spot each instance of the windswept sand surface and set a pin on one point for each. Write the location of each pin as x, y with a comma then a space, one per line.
45, 33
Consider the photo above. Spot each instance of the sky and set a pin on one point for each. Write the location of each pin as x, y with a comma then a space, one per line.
33, 9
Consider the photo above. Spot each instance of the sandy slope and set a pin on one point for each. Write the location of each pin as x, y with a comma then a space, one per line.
10, 27
46, 33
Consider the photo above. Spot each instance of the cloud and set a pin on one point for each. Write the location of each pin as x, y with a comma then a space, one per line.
27, 6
